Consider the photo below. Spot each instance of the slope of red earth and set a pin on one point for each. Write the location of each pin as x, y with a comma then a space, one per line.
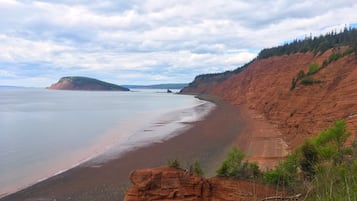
285, 117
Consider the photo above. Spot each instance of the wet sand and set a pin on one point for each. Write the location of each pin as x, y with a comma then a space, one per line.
207, 141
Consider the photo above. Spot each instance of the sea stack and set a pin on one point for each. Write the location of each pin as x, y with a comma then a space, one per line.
85, 83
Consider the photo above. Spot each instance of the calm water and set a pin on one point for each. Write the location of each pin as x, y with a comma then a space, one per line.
43, 132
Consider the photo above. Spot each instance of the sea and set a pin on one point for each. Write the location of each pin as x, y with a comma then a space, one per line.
46, 132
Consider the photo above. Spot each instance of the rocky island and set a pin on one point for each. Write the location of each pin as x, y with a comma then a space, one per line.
85, 83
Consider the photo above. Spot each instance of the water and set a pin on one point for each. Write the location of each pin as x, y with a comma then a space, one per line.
44, 132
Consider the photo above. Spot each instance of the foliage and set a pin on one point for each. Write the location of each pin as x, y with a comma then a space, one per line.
309, 81
348, 51
309, 159
313, 68
330, 143
293, 84
314, 44
334, 57
196, 168
231, 165
173, 163
335, 182
285, 173
299, 76
234, 166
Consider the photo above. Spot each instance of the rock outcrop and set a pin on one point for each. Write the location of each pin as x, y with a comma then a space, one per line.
168, 184
265, 87
85, 83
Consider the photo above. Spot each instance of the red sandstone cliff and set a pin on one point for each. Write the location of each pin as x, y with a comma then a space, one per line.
168, 184
264, 87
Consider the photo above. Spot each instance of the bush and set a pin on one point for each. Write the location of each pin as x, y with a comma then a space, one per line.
293, 84
330, 143
309, 81
334, 57
348, 51
173, 163
309, 159
313, 68
196, 168
285, 173
230, 166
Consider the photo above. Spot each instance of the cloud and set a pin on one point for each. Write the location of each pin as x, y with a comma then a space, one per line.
168, 40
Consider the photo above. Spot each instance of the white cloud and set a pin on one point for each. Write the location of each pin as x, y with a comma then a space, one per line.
154, 37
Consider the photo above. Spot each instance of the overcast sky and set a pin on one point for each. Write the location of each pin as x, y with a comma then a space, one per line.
150, 41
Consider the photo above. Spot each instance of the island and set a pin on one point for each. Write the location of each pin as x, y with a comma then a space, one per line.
85, 83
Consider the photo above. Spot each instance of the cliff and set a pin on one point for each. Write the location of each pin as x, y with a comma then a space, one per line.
85, 83
177, 184
265, 86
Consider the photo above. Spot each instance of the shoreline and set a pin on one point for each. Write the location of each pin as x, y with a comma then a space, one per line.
201, 142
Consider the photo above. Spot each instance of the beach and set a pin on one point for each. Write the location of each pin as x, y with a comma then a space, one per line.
207, 141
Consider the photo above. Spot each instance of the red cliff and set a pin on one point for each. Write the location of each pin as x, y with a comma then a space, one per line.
265, 88
168, 184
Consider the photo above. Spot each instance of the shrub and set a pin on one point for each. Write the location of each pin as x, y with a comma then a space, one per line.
285, 173
334, 57
230, 166
309, 159
330, 143
196, 168
348, 51
293, 84
313, 68
309, 81
173, 163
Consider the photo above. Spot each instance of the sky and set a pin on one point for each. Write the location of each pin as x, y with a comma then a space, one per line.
151, 41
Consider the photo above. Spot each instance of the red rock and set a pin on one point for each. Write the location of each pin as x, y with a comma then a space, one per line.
264, 87
168, 184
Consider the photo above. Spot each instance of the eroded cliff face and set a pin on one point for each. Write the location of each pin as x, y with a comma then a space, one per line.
177, 184
265, 87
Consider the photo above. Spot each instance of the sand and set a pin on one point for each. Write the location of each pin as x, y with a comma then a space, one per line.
207, 141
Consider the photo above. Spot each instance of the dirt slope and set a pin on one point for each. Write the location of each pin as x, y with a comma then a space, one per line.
263, 88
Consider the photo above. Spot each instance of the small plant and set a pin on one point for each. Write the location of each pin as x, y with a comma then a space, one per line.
309, 81
348, 51
196, 168
285, 173
334, 57
234, 166
309, 159
230, 166
173, 163
313, 68
293, 84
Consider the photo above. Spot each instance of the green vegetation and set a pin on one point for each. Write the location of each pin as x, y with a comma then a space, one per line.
305, 79
284, 173
309, 81
313, 68
79, 82
196, 168
173, 163
319, 44
328, 168
234, 166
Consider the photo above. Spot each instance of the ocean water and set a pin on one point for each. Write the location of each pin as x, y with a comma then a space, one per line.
44, 132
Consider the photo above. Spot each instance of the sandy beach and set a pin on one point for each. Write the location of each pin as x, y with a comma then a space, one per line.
207, 141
